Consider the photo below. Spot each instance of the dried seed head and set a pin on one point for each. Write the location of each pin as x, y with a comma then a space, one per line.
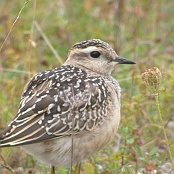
152, 78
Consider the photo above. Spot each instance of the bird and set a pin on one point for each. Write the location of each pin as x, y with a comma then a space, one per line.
68, 113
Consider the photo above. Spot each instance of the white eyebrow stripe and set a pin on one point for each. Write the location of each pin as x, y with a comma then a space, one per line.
90, 48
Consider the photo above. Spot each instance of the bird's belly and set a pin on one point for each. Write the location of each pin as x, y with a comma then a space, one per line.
58, 152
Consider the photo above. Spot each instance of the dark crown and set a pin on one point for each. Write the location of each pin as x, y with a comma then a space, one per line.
92, 42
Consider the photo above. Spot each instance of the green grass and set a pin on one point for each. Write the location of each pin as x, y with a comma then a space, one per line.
137, 30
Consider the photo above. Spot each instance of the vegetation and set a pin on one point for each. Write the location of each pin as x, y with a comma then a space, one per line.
137, 30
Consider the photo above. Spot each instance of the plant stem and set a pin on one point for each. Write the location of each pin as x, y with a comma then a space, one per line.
163, 128
5, 165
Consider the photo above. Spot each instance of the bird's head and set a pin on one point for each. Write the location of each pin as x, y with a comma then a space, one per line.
95, 55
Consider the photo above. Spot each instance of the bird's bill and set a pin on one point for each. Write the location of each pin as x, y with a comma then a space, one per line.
121, 60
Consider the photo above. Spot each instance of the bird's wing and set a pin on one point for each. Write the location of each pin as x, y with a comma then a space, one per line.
55, 104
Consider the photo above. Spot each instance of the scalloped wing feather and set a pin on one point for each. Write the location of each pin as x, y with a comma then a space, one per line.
55, 104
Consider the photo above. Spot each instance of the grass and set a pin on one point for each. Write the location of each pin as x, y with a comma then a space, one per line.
137, 30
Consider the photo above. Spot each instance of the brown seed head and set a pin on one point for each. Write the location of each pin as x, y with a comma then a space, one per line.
152, 78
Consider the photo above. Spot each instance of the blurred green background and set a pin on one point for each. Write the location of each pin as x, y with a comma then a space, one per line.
142, 31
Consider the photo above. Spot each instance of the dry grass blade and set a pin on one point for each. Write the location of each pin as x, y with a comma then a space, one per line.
27, 1
15, 71
5, 165
48, 42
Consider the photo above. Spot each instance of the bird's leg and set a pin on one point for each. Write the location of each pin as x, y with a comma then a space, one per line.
52, 170
77, 169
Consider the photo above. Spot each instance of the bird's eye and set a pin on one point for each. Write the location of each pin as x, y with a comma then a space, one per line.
95, 54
